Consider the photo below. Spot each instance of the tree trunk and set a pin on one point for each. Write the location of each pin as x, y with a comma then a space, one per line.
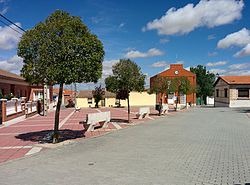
177, 99
161, 102
128, 110
57, 115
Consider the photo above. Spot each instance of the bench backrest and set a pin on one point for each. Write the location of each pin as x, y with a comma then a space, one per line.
144, 110
165, 107
98, 117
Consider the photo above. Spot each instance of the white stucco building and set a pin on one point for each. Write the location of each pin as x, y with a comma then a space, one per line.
232, 91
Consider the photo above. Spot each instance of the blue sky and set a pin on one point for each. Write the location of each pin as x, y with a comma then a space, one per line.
213, 33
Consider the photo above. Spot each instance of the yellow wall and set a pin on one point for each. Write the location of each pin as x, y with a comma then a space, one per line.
83, 102
136, 99
141, 99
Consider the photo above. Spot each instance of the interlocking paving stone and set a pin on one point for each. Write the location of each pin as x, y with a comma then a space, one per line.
202, 146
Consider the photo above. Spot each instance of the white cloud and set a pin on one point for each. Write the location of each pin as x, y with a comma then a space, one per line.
13, 64
163, 41
244, 52
4, 10
219, 71
234, 69
211, 37
160, 64
8, 37
212, 54
240, 38
121, 25
237, 72
107, 68
150, 53
219, 63
206, 13
239, 66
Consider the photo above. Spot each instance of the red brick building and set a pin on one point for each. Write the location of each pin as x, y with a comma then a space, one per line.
177, 70
15, 84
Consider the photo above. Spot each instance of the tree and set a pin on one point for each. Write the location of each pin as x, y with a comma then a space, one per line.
180, 85
160, 85
61, 50
205, 81
98, 94
126, 77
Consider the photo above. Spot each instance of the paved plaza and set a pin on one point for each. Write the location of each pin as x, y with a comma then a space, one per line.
200, 146
30, 135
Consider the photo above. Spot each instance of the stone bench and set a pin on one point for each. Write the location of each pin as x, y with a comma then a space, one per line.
143, 112
92, 119
164, 109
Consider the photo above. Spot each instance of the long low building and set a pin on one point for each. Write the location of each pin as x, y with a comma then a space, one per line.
85, 99
232, 91
16, 85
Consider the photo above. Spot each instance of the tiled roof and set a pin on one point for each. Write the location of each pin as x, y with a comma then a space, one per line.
88, 94
236, 79
65, 91
10, 75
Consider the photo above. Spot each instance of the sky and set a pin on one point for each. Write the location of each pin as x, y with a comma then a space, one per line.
154, 34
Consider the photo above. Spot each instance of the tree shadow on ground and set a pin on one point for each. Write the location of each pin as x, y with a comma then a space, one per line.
118, 120
45, 136
242, 110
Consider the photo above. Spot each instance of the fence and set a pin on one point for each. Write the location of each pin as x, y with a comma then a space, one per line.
14, 108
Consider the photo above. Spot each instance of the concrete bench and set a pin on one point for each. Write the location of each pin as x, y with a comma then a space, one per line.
143, 112
180, 106
165, 109
92, 119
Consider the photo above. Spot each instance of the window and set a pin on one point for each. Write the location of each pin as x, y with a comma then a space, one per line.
89, 100
217, 92
243, 93
225, 93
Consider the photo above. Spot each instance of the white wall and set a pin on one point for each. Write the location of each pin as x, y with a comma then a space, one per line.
239, 103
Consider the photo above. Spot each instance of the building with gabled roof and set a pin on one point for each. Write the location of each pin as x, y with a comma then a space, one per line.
232, 91
176, 70
16, 85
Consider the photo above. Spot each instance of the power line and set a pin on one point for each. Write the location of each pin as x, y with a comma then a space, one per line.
10, 27
12, 22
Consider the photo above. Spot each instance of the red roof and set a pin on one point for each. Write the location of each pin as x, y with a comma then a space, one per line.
65, 91
10, 75
236, 79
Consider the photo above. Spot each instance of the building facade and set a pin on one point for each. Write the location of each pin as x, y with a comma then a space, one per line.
176, 70
16, 85
232, 91
85, 99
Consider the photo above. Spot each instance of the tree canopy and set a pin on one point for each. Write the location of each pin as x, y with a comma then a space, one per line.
60, 50
98, 94
127, 77
205, 81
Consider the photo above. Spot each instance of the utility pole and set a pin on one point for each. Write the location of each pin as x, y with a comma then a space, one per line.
75, 97
45, 97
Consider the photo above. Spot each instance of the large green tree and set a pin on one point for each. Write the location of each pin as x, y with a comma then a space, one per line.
127, 77
205, 81
98, 95
181, 85
160, 85
61, 50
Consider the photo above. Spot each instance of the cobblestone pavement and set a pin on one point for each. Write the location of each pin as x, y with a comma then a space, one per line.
27, 137
203, 146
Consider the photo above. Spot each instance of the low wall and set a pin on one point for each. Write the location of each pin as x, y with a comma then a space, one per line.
239, 103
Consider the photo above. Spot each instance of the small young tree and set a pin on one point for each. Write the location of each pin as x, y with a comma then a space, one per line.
127, 77
181, 85
161, 86
61, 50
205, 81
98, 94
